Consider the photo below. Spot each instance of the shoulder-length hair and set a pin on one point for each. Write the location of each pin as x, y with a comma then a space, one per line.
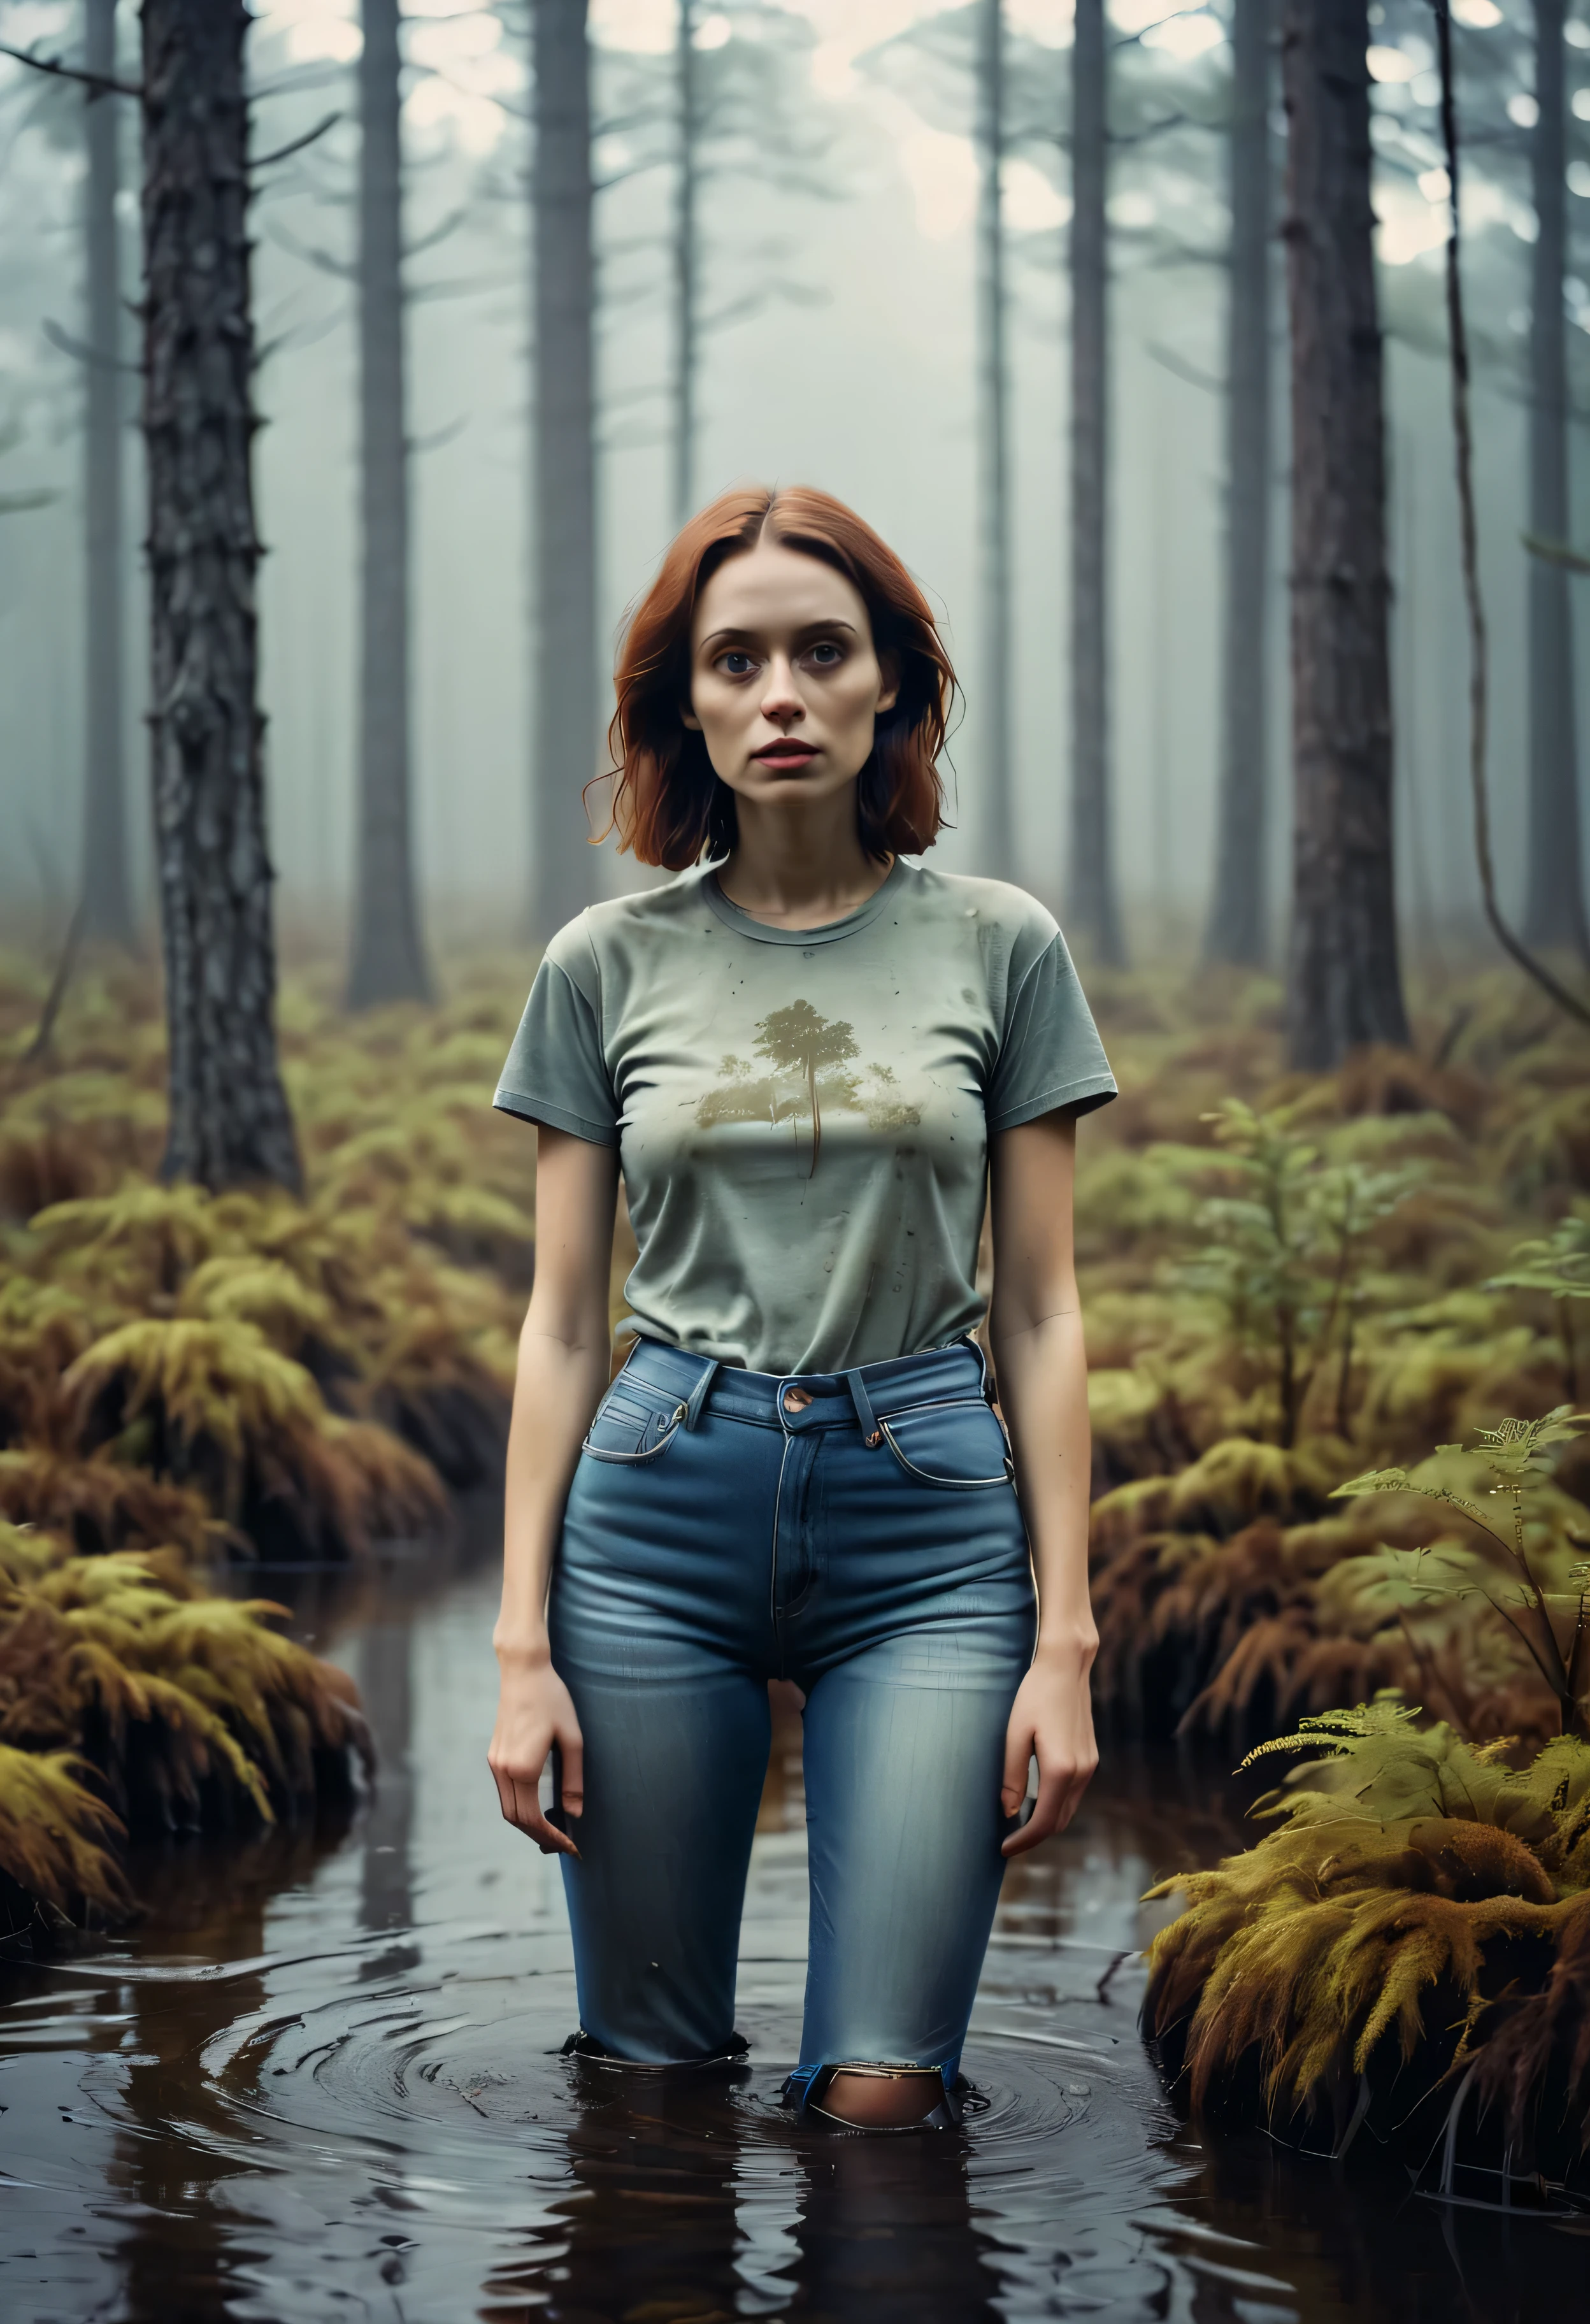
668, 806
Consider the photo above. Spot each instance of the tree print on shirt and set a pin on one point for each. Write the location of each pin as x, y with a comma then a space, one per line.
808, 1055
797, 1040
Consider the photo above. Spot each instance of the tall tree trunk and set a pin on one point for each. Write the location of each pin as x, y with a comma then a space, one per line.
107, 901
1554, 910
1239, 928
561, 874
998, 834
1093, 908
1344, 981
229, 1118
389, 951
687, 281
389, 960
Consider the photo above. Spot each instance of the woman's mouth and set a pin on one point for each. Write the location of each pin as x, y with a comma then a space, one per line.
789, 757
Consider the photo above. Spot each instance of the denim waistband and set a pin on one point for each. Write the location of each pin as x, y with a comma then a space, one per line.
856, 1398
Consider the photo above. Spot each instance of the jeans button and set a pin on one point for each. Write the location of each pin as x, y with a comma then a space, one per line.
795, 1400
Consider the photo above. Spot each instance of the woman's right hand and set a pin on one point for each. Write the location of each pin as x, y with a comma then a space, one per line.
534, 1711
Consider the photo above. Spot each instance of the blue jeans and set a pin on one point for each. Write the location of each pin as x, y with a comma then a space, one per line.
859, 1535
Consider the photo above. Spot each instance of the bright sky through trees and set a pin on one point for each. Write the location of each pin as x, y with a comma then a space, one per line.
469, 63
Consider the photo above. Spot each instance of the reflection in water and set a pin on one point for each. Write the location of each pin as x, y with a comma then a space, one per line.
172, 2253
386, 1893
321, 2080
649, 2214
886, 2233
1346, 2252
758, 2215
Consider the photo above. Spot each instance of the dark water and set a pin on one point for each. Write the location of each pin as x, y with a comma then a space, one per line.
319, 2080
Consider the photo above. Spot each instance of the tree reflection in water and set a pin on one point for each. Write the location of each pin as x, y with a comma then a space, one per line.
178, 2251
386, 1887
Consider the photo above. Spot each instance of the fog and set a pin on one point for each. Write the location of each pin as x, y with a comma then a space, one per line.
846, 359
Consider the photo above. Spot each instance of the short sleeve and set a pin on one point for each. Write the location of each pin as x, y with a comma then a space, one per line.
1050, 1056
556, 1071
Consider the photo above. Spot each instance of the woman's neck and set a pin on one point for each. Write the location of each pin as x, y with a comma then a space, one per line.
800, 870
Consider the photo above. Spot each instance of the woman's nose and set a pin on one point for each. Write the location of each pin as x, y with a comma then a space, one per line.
781, 696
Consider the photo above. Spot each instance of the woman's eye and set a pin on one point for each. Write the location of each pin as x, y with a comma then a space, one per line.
735, 665
826, 656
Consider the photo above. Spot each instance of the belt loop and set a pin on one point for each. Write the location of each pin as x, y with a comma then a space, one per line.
871, 1434
711, 1368
976, 1345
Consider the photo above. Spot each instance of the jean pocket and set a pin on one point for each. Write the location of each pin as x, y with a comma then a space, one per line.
959, 1447
630, 1426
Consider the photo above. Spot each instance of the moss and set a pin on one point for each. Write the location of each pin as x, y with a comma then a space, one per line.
215, 1403
148, 1705
180, 1370
315, 1371
1225, 1613
1229, 1602
103, 1504
182, 1376
1418, 1922
58, 1841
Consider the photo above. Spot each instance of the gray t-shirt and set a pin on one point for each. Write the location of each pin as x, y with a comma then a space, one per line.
802, 1115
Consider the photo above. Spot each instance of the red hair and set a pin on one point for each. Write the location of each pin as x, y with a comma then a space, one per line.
668, 806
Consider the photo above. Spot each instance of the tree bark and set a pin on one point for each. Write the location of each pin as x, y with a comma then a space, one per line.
998, 834
1344, 981
1093, 908
563, 464
229, 1118
388, 961
1238, 924
106, 900
1554, 910
687, 269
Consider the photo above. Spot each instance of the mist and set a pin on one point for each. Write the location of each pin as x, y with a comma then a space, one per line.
845, 358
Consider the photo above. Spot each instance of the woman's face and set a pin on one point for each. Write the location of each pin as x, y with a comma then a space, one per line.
786, 683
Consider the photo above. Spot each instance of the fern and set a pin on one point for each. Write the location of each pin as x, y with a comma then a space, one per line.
182, 1709
1516, 1453
214, 1402
1559, 1264
1406, 1865
1286, 1264
57, 1840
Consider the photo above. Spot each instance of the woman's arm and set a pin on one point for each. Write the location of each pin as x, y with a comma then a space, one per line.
564, 1354
1036, 1332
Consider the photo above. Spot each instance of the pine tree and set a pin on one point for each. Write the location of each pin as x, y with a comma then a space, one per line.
229, 1118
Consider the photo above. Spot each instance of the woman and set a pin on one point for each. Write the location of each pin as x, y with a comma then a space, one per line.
809, 1059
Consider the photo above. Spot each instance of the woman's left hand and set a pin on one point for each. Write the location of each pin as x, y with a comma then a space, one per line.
1051, 1719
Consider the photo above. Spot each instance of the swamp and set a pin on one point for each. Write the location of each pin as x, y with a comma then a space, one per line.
1221, 372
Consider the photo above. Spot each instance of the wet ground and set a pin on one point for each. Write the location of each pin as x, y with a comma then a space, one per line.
319, 2079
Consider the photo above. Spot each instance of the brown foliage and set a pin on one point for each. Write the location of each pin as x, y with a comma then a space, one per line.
168, 1709
101, 1504
1380, 1080
1421, 1910
57, 1838
1228, 1606
214, 1402
43, 1165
